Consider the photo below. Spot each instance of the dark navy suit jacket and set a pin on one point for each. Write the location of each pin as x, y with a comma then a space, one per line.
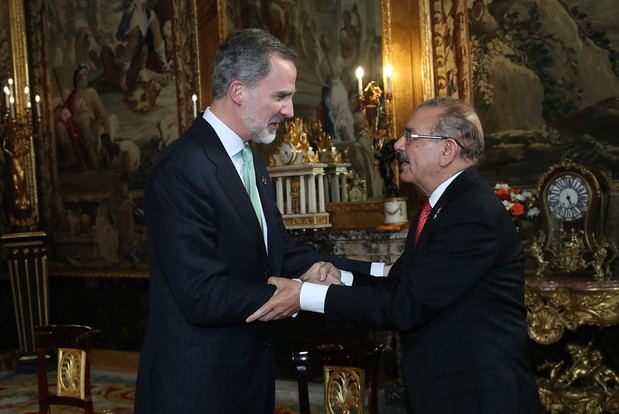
209, 268
457, 298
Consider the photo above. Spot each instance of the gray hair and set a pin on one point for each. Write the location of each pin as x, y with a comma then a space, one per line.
460, 121
245, 55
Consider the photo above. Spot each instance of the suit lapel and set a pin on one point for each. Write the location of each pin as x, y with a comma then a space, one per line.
267, 199
461, 183
228, 177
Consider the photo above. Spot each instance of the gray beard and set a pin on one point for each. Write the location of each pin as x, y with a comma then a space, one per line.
263, 137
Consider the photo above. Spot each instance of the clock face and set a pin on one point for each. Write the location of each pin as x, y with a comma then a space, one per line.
287, 153
568, 197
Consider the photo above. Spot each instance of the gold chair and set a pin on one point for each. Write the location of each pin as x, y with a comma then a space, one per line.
72, 345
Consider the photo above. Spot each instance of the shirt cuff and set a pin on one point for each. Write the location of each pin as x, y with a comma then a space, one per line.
313, 297
346, 277
294, 315
377, 269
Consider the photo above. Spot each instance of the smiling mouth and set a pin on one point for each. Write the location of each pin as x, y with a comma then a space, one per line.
274, 124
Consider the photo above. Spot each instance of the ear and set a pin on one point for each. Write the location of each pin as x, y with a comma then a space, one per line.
236, 91
449, 154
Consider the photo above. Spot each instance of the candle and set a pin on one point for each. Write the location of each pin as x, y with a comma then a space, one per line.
388, 72
7, 95
12, 105
11, 86
27, 97
194, 99
37, 101
359, 74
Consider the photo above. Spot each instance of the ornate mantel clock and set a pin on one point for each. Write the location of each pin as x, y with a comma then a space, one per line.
574, 201
299, 178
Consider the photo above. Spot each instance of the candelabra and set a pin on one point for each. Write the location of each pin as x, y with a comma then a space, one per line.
25, 246
16, 132
376, 105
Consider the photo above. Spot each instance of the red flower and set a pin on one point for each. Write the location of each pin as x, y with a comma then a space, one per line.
517, 209
503, 194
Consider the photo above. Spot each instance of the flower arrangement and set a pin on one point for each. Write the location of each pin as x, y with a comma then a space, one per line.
520, 204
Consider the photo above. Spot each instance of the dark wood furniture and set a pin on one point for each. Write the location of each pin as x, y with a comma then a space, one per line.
71, 345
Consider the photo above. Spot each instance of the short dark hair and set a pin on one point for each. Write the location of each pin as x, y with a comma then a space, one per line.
460, 121
245, 55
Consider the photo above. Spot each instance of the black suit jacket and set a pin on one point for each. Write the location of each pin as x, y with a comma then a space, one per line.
458, 300
209, 268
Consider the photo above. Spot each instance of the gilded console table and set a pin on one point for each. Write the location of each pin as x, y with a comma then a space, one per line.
584, 384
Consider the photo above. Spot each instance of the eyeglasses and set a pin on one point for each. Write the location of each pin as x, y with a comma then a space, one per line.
410, 137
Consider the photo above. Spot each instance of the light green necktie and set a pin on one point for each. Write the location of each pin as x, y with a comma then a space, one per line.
249, 180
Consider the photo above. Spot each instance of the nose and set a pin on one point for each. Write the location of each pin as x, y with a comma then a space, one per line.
400, 144
287, 109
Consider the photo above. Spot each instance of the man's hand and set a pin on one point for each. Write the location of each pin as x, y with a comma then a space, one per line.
387, 269
283, 303
324, 273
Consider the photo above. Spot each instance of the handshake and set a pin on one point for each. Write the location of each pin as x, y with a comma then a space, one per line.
286, 299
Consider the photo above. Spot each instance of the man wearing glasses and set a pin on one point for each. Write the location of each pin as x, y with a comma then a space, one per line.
457, 292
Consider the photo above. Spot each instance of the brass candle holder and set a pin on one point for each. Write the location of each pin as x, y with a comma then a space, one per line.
16, 133
376, 106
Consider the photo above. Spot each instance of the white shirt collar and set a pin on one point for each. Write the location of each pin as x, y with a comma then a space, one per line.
230, 140
436, 194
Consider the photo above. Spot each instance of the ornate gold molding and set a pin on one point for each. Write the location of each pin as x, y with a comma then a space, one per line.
556, 306
388, 59
18, 128
307, 220
357, 214
449, 41
427, 61
19, 52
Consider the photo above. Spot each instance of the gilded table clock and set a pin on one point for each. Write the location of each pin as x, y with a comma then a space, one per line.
574, 199
287, 153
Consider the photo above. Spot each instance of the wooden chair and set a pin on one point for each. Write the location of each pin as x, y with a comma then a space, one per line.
72, 345
354, 359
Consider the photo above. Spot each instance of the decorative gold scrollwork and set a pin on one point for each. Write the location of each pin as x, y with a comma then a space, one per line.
71, 371
568, 253
551, 311
585, 386
344, 390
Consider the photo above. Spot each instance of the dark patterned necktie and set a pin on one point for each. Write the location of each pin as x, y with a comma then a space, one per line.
423, 217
